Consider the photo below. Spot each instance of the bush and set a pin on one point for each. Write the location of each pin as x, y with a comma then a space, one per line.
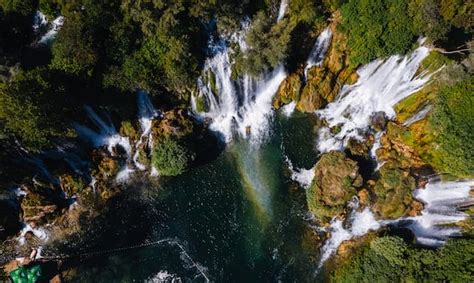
170, 158
452, 122
34, 107
390, 259
376, 28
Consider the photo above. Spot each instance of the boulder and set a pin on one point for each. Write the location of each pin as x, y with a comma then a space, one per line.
336, 180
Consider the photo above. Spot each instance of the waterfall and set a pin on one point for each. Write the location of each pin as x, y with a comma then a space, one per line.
432, 228
105, 134
288, 109
55, 26
381, 85
441, 200
39, 21
318, 51
418, 116
146, 114
377, 145
360, 222
282, 9
242, 105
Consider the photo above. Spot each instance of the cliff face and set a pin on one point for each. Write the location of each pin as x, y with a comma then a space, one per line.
323, 82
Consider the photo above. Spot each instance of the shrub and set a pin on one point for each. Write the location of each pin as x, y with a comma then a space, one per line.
170, 158
452, 122
376, 28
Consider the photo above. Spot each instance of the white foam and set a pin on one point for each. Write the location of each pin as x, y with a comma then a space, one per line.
381, 84
288, 109
39, 233
318, 51
282, 9
55, 26
242, 106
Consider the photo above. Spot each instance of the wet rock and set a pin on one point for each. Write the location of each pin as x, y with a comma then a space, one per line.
289, 90
175, 123
336, 180
378, 121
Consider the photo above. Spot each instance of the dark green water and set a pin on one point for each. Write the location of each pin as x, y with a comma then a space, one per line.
238, 218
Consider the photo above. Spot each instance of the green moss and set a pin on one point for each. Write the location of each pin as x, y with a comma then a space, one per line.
127, 129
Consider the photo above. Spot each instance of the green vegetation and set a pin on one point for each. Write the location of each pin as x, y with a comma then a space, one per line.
453, 121
390, 259
34, 109
376, 28
170, 158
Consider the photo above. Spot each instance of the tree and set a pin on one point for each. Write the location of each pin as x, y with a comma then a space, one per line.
33, 108
376, 28
452, 122
170, 158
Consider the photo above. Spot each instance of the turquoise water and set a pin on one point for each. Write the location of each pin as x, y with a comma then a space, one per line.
238, 218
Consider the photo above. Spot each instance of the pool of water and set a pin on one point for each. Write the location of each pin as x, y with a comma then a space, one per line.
238, 218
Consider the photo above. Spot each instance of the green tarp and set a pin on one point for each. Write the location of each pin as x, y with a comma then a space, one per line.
23, 274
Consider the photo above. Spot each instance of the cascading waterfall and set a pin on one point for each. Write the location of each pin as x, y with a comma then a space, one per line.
360, 222
243, 105
282, 10
146, 114
55, 26
318, 51
39, 21
442, 200
105, 134
381, 85
432, 228
418, 116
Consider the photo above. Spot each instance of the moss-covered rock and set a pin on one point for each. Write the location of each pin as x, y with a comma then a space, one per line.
394, 192
323, 82
175, 123
289, 90
336, 180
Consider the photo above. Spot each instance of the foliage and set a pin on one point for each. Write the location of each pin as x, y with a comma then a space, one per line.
453, 121
458, 13
376, 28
427, 18
28, 111
15, 25
267, 44
170, 158
21, 7
74, 49
390, 259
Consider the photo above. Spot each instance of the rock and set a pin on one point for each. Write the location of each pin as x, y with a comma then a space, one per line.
323, 82
393, 191
288, 91
174, 123
364, 197
336, 180
378, 121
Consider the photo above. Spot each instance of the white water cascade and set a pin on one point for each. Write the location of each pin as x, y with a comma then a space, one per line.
304, 177
318, 51
432, 228
146, 114
381, 85
360, 222
54, 28
282, 10
442, 200
106, 134
243, 105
